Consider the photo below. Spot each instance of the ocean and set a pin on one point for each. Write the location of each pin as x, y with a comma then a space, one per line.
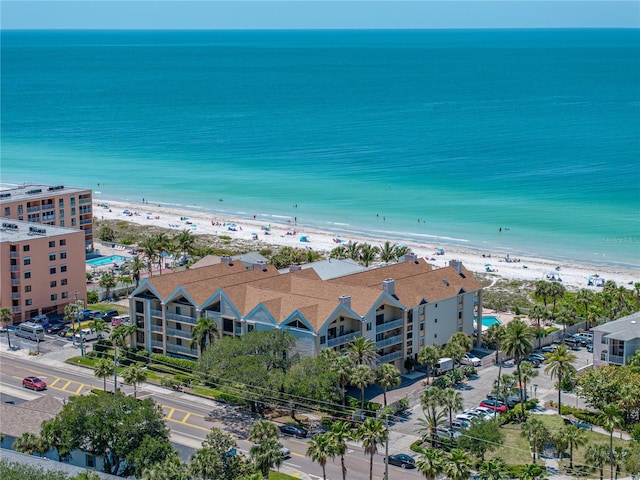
524, 142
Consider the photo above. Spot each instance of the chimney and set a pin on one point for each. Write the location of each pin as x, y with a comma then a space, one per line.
457, 264
389, 286
294, 267
410, 257
226, 259
260, 265
345, 300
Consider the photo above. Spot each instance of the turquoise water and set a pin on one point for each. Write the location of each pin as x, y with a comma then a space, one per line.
488, 321
96, 262
436, 136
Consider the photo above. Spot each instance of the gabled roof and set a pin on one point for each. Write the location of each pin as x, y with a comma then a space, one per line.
625, 328
28, 416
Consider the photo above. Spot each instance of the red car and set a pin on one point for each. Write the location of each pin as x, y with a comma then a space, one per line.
34, 383
499, 406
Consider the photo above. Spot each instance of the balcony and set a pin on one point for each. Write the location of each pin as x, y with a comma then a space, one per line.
86, 222
14, 254
390, 357
82, 201
15, 268
181, 318
157, 343
342, 339
155, 313
178, 333
33, 209
390, 325
48, 207
616, 359
15, 281
173, 348
15, 296
157, 328
387, 342
16, 309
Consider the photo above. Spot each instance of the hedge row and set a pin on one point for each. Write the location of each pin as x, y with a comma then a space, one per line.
179, 363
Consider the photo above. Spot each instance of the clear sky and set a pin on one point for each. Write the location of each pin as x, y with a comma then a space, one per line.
317, 14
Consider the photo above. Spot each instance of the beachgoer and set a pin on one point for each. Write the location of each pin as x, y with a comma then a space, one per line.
500, 229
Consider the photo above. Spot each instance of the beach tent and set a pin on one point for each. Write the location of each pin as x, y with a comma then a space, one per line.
303, 239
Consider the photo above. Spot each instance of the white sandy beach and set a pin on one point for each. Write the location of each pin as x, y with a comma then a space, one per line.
574, 276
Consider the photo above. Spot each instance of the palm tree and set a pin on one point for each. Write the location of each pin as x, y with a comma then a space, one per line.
150, 251
135, 266
266, 455
320, 450
533, 472
353, 250
163, 243
611, 418
98, 325
185, 241
585, 298
368, 253
431, 462
107, 281
262, 430
542, 291
536, 432
452, 401
28, 443
494, 469
361, 378
103, 369
517, 343
203, 333
363, 350
342, 367
387, 252
127, 281
429, 356
458, 465
556, 292
133, 375
387, 376
528, 372
431, 400
372, 433
537, 313
340, 433
597, 455
575, 438
6, 318
560, 367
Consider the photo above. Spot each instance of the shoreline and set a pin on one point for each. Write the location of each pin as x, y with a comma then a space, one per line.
506, 266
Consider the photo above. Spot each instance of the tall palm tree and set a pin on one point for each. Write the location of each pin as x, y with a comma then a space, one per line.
267, 455
371, 433
134, 375
151, 252
537, 313
203, 333
340, 433
597, 455
320, 449
353, 250
556, 292
387, 252
560, 367
585, 297
185, 241
431, 462
517, 343
363, 350
528, 372
342, 366
452, 401
533, 472
127, 281
163, 243
431, 401
457, 465
103, 369
361, 378
368, 253
262, 430
536, 432
6, 318
387, 376
136, 265
611, 418
575, 438
107, 281
542, 291
429, 356
98, 325
494, 469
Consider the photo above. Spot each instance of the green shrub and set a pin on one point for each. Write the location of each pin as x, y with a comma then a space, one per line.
550, 330
92, 297
187, 366
402, 405
416, 446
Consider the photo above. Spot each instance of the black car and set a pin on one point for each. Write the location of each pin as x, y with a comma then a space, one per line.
401, 460
293, 431
572, 344
56, 328
577, 423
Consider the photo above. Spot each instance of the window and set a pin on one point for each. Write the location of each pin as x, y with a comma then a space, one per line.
63, 268
52, 270
90, 461
422, 327
65, 294
603, 356
179, 310
26, 261
61, 202
27, 288
53, 284
323, 340
62, 223
409, 351
604, 340
368, 326
436, 320
63, 242
7, 211
73, 222
179, 341
25, 248
54, 296
52, 244
422, 341
73, 200
27, 275
73, 210
52, 257
28, 301
63, 255
250, 327
410, 343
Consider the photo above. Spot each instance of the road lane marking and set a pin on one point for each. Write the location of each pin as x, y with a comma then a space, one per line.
168, 415
186, 417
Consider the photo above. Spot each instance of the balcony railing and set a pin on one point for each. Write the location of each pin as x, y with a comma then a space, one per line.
49, 206
14, 254
390, 325
84, 200
15, 296
178, 333
616, 359
156, 343
390, 357
16, 309
173, 348
387, 342
155, 313
15, 268
33, 209
156, 328
181, 318
15, 281
342, 339
86, 222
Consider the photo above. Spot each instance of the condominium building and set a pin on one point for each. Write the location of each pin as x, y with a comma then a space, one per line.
41, 268
617, 341
50, 205
401, 307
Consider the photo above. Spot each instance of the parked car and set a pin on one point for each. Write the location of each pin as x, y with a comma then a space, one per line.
488, 413
447, 433
539, 356
499, 406
109, 314
401, 460
590, 347
577, 423
533, 360
549, 349
458, 424
469, 359
56, 328
572, 343
286, 453
34, 383
293, 431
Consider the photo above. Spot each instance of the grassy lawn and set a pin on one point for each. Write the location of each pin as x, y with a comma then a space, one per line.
205, 391
280, 476
88, 362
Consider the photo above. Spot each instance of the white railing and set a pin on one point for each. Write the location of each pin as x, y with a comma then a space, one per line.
390, 357
387, 342
616, 359
173, 348
181, 318
385, 327
178, 333
342, 339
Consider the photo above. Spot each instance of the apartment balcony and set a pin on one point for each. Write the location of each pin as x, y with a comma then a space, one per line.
390, 357
33, 209
86, 222
48, 218
15, 268
82, 201
181, 318
157, 328
16, 309
173, 348
15, 296
387, 342
157, 343
390, 325
155, 313
616, 359
48, 207
14, 254
342, 339
178, 333
15, 281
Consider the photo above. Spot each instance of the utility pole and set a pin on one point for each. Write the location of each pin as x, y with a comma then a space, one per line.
115, 368
386, 447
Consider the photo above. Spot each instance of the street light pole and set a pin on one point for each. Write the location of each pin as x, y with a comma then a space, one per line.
115, 368
386, 447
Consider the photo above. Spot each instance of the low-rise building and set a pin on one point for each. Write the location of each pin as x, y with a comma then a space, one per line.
42, 267
401, 307
616, 341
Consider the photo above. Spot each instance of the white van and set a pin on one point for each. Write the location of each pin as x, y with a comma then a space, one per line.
30, 331
87, 334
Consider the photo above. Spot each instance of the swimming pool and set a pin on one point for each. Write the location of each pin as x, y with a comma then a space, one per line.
96, 262
488, 321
